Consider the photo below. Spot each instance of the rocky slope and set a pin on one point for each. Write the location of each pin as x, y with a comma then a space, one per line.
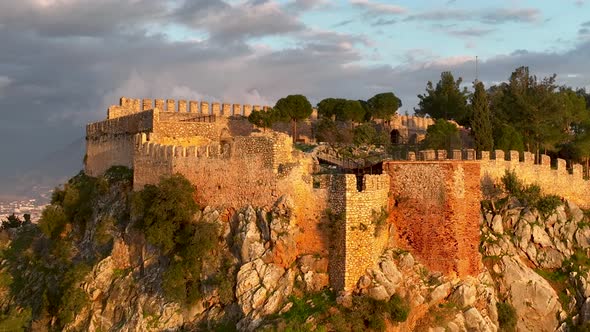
534, 276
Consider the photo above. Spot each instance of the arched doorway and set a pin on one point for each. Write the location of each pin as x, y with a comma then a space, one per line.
395, 137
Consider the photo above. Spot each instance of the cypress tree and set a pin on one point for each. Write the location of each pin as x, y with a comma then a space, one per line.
481, 121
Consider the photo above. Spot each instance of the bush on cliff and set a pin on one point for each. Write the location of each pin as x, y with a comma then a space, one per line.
162, 211
366, 314
165, 214
507, 317
45, 260
530, 195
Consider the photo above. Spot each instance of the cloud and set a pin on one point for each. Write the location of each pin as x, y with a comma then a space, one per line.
488, 16
342, 23
586, 24
4, 83
304, 5
475, 32
579, 3
382, 22
60, 72
497, 16
79, 17
225, 22
377, 8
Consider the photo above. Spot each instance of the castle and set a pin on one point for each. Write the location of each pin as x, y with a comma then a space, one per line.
431, 199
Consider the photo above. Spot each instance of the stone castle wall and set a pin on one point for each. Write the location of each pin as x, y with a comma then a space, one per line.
129, 106
236, 173
436, 214
111, 142
558, 180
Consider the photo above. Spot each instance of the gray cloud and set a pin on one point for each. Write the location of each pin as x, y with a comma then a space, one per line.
511, 15
378, 8
230, 23
304, 5
343, 23
383, 21
488, 16
586, 24
80, 17
475, 32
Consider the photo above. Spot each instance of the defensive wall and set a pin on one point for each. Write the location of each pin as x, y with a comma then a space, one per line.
236, 172
111, 142
129, 106
553, 176
436, 212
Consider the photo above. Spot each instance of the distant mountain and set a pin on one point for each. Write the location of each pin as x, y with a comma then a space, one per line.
50, 170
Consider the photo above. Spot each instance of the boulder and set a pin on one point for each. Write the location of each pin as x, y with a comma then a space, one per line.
534, 300
541, 237
497, 224
464, 295
440, 292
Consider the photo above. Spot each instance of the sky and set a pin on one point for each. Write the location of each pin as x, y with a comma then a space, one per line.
63, 62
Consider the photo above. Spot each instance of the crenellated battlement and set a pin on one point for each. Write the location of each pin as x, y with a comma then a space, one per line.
128, 106
553, 176
128, 124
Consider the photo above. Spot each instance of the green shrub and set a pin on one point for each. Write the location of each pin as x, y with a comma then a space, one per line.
397, 308
162, 210
530, 195
53, 221
119, 174
12, 221
16, 319
506, 316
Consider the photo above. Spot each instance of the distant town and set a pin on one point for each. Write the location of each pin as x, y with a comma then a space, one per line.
33, 204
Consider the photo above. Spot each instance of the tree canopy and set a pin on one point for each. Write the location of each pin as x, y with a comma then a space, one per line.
293, 108
445, 101
384, 105
442, 135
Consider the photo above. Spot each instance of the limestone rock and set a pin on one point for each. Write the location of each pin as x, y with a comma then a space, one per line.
391, 271
583, 237
475, 322
261, 289
585, 311
464, 295
541, 237
497, 224
575, 212
440, 292
248, 236
378, 293
534, 300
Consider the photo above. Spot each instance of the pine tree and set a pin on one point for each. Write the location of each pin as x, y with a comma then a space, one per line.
481, 121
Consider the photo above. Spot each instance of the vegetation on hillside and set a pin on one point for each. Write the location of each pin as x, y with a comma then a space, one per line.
320, 312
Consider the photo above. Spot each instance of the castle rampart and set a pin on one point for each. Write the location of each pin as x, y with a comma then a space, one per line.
554, 177
436, 213
128, 106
